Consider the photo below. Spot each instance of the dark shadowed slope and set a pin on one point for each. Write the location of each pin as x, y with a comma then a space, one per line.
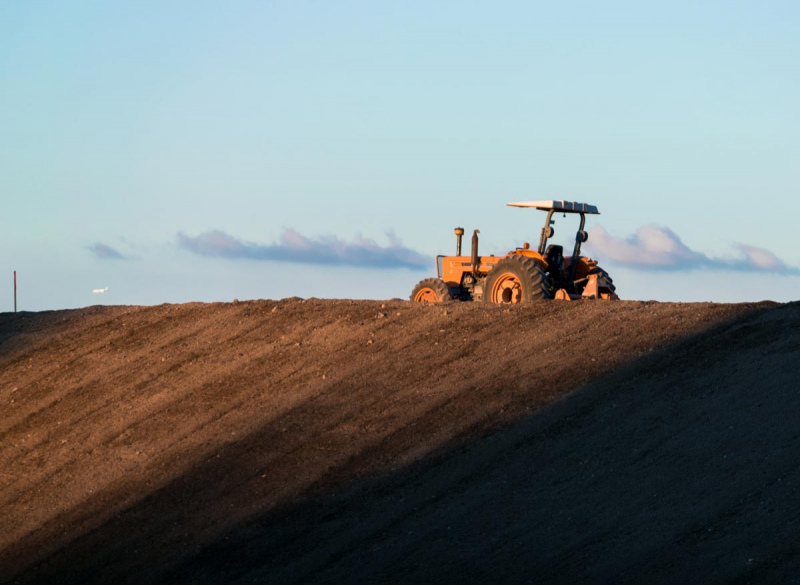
342, 441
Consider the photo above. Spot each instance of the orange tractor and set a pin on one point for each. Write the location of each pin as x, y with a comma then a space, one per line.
523, 275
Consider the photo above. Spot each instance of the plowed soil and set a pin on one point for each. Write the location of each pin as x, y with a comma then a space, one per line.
357, 441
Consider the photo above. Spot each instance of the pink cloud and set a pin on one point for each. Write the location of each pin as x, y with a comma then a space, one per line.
292, 246
659, 248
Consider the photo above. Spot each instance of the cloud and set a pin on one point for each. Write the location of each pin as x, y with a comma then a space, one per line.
659, 248
297, 248
103, 252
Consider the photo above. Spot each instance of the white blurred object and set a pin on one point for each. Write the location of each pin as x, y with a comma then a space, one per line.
100, 290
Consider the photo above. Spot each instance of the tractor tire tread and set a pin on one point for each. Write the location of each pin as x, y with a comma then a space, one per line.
524, 268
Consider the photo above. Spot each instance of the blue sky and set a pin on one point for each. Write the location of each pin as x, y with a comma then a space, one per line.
205, 151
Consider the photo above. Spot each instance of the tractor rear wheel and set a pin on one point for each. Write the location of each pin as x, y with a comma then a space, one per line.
603, 274
516, 279
431, 290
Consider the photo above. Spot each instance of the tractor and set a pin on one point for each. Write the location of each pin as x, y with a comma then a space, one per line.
523, 275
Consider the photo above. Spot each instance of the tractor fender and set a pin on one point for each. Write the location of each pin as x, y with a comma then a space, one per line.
585, 265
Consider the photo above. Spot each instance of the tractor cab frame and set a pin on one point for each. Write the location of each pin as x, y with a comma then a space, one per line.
561, 206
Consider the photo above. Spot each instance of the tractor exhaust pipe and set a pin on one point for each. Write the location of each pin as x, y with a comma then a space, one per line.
458, 232
475, 253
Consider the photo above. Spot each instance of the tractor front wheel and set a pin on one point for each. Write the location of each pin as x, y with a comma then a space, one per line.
516, 279
430, 290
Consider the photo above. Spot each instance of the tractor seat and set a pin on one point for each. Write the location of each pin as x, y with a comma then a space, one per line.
555, 260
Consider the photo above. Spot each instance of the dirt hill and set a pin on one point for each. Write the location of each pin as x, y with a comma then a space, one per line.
353, 441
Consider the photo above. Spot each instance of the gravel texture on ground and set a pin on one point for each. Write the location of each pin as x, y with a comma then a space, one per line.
356, 441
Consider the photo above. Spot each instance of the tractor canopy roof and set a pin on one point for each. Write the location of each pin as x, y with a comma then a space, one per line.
558, 205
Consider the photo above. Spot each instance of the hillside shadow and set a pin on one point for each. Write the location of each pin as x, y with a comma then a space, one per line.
13, 327
680, 466
20, 331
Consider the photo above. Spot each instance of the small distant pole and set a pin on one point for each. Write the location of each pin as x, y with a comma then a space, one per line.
15, 291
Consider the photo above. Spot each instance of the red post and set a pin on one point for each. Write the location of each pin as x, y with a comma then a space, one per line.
15, 291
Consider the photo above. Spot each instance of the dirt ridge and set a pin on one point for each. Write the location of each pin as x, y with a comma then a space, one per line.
138, 443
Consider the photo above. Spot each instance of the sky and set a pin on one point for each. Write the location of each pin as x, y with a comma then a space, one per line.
205, 151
